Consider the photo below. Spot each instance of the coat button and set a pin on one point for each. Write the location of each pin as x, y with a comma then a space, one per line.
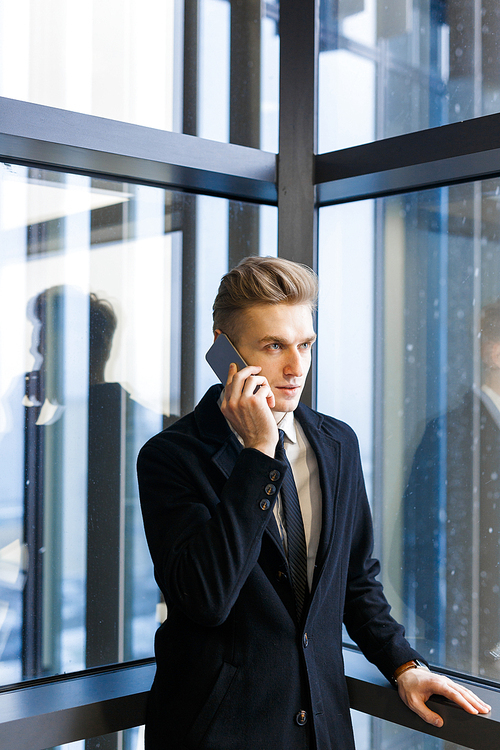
265, 504
301, 718
274, 475
305, 640
270, 489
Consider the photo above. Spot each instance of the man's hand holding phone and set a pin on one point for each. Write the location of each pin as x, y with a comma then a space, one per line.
248, 400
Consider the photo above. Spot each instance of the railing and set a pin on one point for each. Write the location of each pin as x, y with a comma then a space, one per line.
55, 711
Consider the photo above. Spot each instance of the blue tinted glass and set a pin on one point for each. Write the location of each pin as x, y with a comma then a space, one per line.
409, 355
392, 67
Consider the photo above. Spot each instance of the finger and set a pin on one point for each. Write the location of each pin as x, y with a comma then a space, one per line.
240, 377
253, 385
233, 369
474, 699
464, 698
431, 718
460, 695
425, 713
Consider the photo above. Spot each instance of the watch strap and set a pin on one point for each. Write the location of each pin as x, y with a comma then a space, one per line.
413, 664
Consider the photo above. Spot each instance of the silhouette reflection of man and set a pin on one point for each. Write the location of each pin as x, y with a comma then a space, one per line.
452, 523
55, 312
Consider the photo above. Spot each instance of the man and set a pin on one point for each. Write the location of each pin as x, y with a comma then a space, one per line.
245, 661
453, 496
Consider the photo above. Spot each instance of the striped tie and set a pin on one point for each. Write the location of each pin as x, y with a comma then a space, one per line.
296, 540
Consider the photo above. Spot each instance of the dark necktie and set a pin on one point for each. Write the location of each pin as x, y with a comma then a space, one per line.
296, 540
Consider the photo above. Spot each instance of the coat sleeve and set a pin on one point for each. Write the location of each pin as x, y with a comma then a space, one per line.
367, 612
203, 544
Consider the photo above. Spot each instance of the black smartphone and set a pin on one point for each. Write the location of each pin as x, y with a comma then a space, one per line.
221, 354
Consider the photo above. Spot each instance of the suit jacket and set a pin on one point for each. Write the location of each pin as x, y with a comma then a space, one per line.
235, 670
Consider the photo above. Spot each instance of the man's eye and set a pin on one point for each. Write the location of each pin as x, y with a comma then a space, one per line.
274, 346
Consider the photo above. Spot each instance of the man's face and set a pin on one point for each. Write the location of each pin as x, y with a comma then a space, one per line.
279, 338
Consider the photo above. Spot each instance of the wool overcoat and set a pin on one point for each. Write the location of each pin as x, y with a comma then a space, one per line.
235, 669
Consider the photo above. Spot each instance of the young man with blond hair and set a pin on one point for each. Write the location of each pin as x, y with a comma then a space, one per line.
260, 531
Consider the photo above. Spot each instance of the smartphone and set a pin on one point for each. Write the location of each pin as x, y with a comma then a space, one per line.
221, 354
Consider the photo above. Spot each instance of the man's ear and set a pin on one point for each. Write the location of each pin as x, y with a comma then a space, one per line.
217, 333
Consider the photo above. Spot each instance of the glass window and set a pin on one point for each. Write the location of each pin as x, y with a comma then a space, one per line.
129, 739
393, 67
207, 68
103, 331
422, 311
112, 58
376, 734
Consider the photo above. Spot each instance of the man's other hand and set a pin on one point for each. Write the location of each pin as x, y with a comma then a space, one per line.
415, 687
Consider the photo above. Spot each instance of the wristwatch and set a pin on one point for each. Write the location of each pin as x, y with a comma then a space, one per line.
413, 664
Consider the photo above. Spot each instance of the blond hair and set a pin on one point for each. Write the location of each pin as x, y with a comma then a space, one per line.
258, 280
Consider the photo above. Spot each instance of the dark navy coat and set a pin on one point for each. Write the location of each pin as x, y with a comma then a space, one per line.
235, 671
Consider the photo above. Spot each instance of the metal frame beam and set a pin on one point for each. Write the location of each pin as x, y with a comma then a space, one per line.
459, 152
69, 141
297, 212
297, 222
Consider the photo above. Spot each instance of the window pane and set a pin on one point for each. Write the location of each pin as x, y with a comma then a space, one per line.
103, 331
412, 365
393, 67
238, 73
204, 67
375, 734
130, 739
112, 58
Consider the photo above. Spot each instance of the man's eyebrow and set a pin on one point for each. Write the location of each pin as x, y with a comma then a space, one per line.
279, 340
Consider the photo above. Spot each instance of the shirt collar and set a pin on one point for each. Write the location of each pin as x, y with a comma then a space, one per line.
287, 424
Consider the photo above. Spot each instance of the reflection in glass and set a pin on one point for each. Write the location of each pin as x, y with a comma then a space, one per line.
429, 422
393, 67
102, 344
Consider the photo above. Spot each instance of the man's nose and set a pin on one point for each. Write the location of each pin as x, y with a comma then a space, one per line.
294, 365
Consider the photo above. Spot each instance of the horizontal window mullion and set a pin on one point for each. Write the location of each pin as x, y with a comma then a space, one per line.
452, 153
84, 144
433, 174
